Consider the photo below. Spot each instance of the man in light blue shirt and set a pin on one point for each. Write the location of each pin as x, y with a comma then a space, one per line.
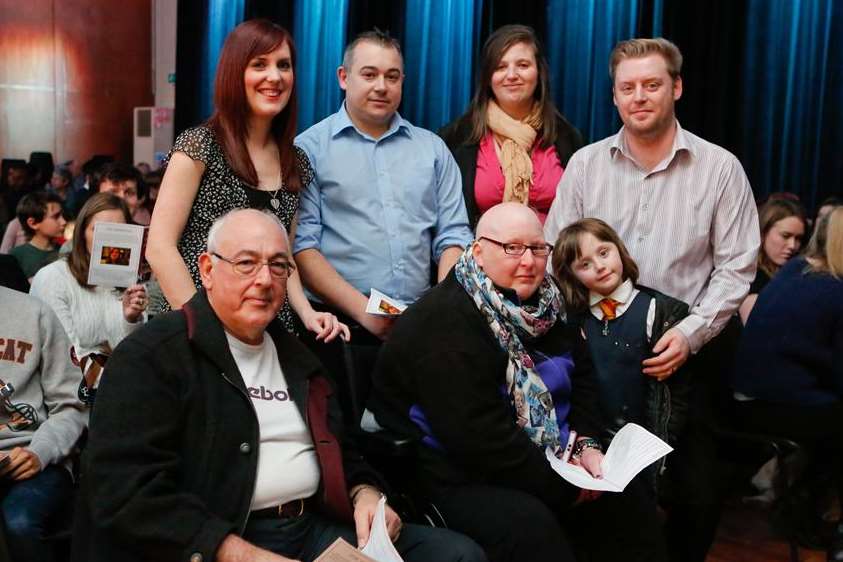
386, 201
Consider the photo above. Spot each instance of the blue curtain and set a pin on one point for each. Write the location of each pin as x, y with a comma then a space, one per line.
319, 28
441, 40
581, 35
222, 17
793, 94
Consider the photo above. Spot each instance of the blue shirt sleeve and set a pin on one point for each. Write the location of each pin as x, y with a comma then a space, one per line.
309, 226
452, 219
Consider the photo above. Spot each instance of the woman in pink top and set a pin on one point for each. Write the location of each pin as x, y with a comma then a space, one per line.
512, 144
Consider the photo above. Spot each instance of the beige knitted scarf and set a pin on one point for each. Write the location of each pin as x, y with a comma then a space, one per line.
513, 141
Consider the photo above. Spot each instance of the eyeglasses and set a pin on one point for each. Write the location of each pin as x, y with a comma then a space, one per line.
515, 249
248, 267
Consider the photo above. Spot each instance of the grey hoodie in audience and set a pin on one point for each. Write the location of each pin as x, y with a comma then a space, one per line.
43, 412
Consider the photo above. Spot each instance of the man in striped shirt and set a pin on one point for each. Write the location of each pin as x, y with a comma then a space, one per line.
685, 210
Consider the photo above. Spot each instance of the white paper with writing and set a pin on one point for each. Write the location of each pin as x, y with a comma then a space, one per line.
631, 451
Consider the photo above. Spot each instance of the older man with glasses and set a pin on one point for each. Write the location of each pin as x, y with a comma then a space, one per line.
216, 435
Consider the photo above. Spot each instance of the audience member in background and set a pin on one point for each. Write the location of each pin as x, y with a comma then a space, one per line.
385, 205
684, 209
212, 468
621, 322
143, 168
242, 157
40, 216
95, 318
18, 183
123, 181
40, 422
827, 205
783, 224
788, 375
60, 183
512, 144
485, 373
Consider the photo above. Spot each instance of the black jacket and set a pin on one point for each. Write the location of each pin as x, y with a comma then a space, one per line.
667, 401
443, 356
171, 461
456, 135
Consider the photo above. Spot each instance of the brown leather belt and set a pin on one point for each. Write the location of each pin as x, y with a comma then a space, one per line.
288, 510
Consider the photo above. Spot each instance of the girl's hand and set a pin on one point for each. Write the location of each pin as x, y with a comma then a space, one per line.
134, 303
326, 326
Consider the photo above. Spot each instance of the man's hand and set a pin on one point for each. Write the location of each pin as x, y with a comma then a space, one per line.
235, 549
23, 464
672, 351
591, 460
365, 504
380, 326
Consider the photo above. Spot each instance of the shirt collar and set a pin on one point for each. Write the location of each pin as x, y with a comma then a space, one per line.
681, 141
342, 122
621, 294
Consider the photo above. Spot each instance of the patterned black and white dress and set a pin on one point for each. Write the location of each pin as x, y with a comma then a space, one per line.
220, 191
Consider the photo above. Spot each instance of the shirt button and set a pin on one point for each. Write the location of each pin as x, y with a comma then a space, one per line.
645, 206
196, 557
640, 238
245, 448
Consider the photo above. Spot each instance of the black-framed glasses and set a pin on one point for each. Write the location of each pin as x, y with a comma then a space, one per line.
249, 267
516, 249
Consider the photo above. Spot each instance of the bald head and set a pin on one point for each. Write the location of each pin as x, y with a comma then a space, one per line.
501, 231
229, 223
506, 219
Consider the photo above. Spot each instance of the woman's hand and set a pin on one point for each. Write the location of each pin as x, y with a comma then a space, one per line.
325, 325
591, 460
134, 303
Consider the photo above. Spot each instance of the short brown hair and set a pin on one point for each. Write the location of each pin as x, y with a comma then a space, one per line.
376, 36
639, 48
769, 214
34, 206
79, 258
566, 251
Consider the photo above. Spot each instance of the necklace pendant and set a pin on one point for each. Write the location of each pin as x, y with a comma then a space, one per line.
275, 203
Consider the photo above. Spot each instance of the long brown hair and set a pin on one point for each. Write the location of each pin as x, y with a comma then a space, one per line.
493, 51
769, 214
566, 251
79, 258
231, 108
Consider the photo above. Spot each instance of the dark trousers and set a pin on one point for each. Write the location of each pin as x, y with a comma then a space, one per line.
514, 526
349, 364
305, 538
694, 484
29, 508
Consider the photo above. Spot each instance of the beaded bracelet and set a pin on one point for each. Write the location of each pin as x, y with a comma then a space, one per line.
583, 444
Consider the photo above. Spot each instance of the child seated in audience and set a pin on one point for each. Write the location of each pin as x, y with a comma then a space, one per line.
620, 321
40, 215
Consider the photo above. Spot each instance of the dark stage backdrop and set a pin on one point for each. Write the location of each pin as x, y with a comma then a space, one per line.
763, 78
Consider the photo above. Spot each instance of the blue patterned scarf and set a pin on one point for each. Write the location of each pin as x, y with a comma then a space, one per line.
511, 323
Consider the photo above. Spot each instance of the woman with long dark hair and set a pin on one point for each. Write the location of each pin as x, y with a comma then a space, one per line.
243, 156
783, 224
512, 144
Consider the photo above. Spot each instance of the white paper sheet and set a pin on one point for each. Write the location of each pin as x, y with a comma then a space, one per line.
382, 305
631, 451
115, 254
380, 546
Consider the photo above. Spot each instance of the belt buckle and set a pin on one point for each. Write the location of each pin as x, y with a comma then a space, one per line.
282, 515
